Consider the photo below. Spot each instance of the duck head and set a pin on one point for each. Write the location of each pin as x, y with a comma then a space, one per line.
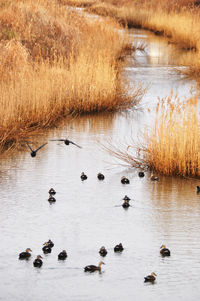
28, 250
39, 257
153, 274
163, 247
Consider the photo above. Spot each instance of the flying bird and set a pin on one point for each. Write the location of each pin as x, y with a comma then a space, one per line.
67, 142
34, 152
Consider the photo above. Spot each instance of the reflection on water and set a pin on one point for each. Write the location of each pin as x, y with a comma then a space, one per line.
88, 215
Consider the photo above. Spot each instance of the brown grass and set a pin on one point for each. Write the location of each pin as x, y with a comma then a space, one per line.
55, 62
172, 147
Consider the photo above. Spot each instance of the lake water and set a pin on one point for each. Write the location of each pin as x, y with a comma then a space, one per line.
88, 215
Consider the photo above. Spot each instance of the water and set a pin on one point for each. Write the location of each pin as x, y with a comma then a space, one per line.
88, 215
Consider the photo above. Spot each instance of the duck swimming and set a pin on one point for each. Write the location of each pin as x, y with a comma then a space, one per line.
52, 191
93, 268
124, 180
150, 278
83, 176
34, 152
141, 174
118, 248
51, 199
26, 254
46, 249
126, 198
67, 142
103, 252
164, 251
100, 176
38, 262
62, 255
153, 177
126, 204
50, 243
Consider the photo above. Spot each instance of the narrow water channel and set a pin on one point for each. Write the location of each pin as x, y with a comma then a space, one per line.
88, 215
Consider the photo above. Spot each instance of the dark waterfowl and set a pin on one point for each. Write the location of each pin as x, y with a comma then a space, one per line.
38, 262
67, 142
93, 268
118, 248
126, 204
83, 176
141, 174
50, 243
26, 254
126, 198
198, 189
34, 152
150, 278
46, 249
100, 176
153, 177
62, 255
164, 251
103, 252
124, 180
52, 191
51, 199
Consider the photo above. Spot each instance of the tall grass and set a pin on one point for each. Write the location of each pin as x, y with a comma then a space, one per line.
55, 62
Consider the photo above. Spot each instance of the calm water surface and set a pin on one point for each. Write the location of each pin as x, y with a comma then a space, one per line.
88, 214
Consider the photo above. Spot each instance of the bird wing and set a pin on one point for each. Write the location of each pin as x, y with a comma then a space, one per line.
75, 144
29, 146
40, 147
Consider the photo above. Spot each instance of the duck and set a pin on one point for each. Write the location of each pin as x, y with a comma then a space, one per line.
50, 243
118, 248
67, 142
46, 249
150, 278
26, 254
52, 191
34, 152
164, 251
141, 174
62, 255
51, 199
198, 189
153, 177
126, 204
103, 252
38, 261
83, 176
124, 180
100, 176
93, 268
126, 198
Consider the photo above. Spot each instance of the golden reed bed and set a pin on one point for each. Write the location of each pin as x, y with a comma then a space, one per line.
54, 63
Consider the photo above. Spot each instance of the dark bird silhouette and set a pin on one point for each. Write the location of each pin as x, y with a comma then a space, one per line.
50, 243
51, 199
67, 142
46, 249
198, 189
141, 174
126, 198
93, 268
103, 252
38, 262
34, 152
62, 255
164, 251
118, 248
26, 254
100, 176
52, 191
126, 204
150, 278
83, 176
124, 180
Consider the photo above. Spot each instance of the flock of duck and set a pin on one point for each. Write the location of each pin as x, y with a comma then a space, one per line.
47, 246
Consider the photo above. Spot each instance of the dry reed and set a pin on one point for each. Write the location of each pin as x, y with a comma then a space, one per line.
55, 62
